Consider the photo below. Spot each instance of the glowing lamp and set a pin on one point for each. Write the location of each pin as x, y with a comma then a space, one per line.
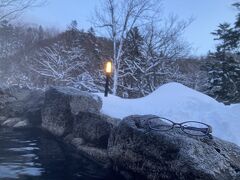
108, 67
108, 70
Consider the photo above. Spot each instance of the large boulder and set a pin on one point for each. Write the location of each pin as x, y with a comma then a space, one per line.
172, 154
90, 135
19, 93
5, 97
97, 154
16, 102
94, 128
60, 106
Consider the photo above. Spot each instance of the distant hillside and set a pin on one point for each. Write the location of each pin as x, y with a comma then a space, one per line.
37, 58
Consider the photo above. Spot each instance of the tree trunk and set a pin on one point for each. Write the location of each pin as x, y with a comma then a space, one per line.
115, 81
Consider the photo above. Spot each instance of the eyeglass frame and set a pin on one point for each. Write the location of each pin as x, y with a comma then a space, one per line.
179, 125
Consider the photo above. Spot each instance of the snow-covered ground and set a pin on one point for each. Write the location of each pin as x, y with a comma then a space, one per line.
180, 103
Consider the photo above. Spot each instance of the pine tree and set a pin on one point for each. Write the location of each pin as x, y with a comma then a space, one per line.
40, 33
224, 34
224, 77
73, 25
132, 60
224, 64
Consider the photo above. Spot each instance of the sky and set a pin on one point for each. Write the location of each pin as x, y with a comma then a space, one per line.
207, 15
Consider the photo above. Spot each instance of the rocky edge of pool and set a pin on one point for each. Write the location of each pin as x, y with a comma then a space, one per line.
124, 145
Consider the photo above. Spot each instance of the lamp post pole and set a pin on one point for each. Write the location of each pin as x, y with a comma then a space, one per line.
107, 85
108, 71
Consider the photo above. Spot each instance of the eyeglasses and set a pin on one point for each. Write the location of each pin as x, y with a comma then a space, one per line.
192, 128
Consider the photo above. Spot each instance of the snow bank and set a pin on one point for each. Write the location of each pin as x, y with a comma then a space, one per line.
180, 103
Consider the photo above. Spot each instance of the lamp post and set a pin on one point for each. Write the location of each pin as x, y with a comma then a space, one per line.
108, 71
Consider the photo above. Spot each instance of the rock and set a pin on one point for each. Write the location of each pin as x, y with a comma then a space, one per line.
77, 142
68, 139
2, 119
21, 124
172, 154
80, 101
29, 108
61, 103
88, 150
94, 128
22, 102
13, 94
85, 102
11, 122
96, 154
19, 93
5, 97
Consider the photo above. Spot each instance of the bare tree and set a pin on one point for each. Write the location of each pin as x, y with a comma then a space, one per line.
10, 9
164, 40
120, 16
64, 67
153, 62
50, 63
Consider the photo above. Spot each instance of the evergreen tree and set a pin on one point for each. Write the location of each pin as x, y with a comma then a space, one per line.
224, 64
73, 26
133, 43
224, 34
91, 31
40, 33
224, 77
132, 60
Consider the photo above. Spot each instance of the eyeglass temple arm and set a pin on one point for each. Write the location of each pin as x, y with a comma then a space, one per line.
204, 130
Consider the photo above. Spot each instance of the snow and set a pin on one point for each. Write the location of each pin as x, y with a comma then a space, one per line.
180, 103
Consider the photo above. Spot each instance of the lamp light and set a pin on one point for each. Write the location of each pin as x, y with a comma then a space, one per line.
108, 71
108, 67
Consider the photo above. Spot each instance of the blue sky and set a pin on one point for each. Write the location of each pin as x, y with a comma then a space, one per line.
207, 14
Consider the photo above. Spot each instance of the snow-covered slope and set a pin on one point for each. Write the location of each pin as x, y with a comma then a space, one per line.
180, 103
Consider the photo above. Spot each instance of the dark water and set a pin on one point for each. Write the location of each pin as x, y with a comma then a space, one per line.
34, 155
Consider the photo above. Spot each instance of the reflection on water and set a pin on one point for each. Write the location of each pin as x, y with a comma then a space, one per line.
33, 155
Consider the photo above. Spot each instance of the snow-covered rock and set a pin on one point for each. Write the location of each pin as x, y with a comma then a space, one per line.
180, 103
